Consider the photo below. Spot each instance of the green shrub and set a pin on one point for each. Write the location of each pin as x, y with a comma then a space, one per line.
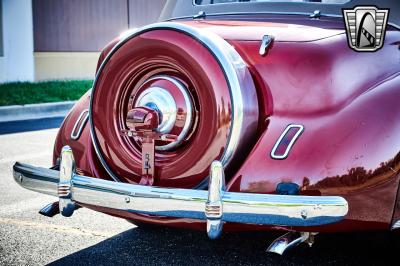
42, 92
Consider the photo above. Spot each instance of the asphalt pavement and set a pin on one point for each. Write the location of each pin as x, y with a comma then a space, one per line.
91, 238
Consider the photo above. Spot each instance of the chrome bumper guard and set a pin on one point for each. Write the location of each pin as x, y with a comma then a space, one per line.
215, 205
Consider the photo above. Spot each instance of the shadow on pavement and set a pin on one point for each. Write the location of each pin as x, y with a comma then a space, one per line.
165, 246
30, 125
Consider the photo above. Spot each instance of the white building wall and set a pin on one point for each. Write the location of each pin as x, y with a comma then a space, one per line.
17, 63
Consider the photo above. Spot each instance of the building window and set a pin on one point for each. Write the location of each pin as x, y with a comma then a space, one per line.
1, 29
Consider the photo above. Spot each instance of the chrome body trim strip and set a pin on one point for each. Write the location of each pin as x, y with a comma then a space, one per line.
291, 143
81, 123
231, 63
267, 209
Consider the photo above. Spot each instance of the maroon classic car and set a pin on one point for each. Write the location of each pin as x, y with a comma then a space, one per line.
240, 115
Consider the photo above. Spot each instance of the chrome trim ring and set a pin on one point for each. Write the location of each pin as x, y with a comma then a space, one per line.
231, 64
167, 106
161, 100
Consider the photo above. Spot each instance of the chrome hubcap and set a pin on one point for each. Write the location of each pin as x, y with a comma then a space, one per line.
163, 102
170, 98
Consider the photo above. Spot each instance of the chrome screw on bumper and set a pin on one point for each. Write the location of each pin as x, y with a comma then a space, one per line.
214, 208
67, 172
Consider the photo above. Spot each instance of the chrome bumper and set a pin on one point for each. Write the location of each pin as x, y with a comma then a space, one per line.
215, 205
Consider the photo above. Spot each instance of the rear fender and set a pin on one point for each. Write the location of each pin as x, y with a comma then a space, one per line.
353, 152
85, 156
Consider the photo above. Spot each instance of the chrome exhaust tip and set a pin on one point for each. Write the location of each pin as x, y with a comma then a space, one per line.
290, 240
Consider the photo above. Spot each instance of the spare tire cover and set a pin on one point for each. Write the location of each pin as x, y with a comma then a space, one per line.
202, 88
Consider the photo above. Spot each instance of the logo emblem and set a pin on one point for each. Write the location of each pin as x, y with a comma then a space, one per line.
365, 27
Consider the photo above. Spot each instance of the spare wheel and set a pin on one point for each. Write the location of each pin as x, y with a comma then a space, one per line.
201, 89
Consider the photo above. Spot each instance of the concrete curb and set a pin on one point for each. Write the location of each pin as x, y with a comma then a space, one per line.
34, 111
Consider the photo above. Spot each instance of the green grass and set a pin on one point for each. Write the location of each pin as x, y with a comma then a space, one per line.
42, 92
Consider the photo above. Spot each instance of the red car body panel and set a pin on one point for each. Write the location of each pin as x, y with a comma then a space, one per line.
346, 101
